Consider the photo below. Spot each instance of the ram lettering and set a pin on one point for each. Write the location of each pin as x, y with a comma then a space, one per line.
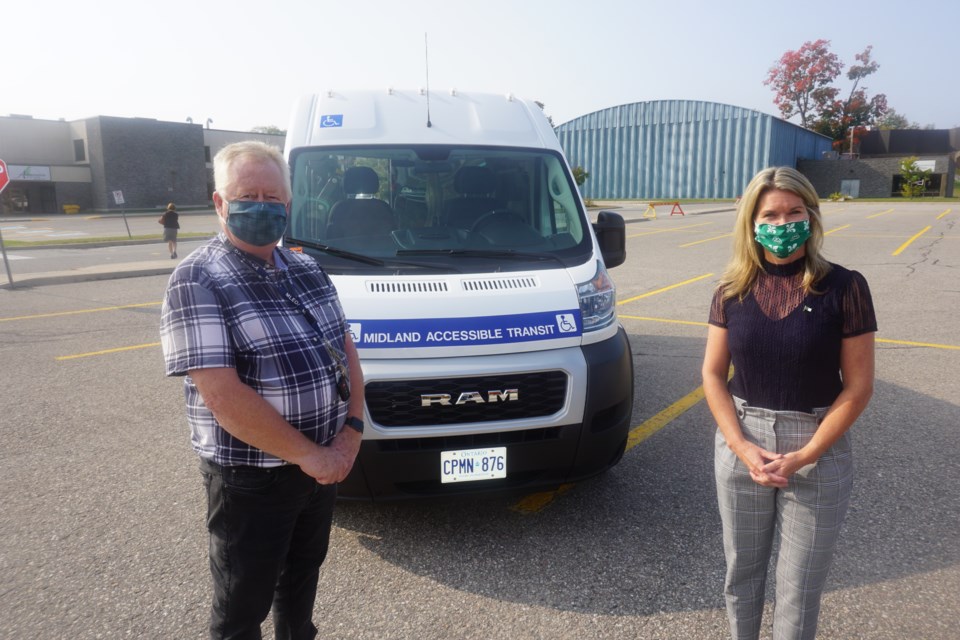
444, 399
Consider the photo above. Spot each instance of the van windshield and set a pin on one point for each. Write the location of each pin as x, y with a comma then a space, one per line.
435, 207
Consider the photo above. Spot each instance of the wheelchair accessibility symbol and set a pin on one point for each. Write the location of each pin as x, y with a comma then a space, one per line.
356, 331
328, 121
567, 323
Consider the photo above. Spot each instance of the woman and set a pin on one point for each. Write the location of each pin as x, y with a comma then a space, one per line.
171, 223
799, 333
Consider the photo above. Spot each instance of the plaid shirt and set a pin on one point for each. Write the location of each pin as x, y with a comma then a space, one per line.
225, 308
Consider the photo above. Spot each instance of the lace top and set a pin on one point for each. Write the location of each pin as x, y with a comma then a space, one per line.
785, 345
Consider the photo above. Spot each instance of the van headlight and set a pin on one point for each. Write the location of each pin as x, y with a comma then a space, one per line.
597, 300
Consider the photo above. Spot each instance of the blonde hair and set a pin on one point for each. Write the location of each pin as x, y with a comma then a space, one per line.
227, 156
746, 262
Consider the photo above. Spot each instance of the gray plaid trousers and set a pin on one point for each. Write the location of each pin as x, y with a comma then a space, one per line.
807, 515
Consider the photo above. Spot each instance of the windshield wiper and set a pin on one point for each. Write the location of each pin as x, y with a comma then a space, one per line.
340, 253
359, 257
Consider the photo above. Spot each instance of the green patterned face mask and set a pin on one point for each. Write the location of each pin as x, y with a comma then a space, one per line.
782, 240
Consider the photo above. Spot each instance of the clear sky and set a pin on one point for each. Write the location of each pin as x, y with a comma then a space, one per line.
242, 63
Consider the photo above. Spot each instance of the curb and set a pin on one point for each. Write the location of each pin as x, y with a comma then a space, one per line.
89, 274
108, 243
94, 215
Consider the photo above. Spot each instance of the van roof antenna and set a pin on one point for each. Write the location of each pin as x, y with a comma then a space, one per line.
426, 64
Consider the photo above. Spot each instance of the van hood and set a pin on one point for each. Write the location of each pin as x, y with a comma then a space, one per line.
460, 314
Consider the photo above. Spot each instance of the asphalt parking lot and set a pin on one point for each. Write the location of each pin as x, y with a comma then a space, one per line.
102, 529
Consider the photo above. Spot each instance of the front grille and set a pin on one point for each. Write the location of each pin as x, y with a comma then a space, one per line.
397, 403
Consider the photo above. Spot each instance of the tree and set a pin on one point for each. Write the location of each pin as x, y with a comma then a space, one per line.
579, 175
914, 178
270, 129
894, 120
858, 111
803, 80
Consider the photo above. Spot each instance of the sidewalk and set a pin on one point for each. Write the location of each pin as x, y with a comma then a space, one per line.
89, 274
631, 211
105, 271
56, 215
111, 271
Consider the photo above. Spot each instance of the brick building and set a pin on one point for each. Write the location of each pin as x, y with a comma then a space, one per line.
875, 171
56, 165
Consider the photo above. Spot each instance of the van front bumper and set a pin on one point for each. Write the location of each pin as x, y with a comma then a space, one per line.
538, 457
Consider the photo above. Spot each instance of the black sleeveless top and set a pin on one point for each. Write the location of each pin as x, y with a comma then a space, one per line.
784, 345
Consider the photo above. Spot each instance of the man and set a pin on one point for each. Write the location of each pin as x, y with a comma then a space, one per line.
272, 379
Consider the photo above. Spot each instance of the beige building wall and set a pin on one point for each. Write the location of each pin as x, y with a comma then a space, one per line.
40, 142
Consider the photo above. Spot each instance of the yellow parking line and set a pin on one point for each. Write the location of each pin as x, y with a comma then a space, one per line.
846, 226
908, 242
942, 215
875, 235
929, 345
690, 244
650, 233
882, 213
695, 324
665, 417
106, 351
909, 343
70, 313
672, 286
536, 502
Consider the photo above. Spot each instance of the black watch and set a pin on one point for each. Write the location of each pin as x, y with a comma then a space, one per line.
354, 423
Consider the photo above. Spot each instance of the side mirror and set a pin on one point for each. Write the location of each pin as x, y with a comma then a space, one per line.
612, 238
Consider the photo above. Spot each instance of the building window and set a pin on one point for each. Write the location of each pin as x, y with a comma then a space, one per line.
206, 153
79, 152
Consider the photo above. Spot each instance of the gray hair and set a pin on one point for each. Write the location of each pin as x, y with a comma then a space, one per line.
227, 156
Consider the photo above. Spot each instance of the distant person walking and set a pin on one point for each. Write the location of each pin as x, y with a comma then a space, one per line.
171, 224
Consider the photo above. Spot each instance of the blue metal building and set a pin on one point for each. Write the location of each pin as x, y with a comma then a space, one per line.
666, 149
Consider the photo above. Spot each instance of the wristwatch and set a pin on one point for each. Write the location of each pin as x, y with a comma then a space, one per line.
354, 423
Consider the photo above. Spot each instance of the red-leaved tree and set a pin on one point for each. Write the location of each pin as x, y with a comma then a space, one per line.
857, 112
803, 80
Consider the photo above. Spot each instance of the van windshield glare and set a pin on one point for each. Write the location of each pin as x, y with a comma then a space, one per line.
438, 202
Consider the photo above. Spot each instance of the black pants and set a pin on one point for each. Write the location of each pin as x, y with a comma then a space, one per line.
269, 533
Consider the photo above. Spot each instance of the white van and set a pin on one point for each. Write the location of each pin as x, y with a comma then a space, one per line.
474, 286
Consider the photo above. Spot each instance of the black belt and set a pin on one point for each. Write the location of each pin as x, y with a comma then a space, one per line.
212, 467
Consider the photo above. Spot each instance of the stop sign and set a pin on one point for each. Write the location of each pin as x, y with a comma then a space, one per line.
4, 177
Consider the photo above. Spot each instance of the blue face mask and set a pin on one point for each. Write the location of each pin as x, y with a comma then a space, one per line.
257, 223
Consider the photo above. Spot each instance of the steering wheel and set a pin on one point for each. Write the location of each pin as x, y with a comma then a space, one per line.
503, 216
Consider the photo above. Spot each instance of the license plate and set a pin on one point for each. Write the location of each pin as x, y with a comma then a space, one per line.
473, 464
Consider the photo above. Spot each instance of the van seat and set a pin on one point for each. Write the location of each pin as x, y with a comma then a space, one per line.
475, 186
361, 213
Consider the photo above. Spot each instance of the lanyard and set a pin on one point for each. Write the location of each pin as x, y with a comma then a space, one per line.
337, 360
